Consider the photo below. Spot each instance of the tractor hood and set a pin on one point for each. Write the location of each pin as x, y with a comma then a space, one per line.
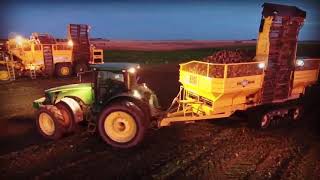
82, 91
69, 87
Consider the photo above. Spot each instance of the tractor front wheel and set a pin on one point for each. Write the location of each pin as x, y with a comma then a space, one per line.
49, 122
68, 119
122, 125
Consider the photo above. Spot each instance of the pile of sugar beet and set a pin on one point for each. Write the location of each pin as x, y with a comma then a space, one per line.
228, 56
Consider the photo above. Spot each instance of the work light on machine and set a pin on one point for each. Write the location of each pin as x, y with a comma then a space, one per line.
70, 43
261, 65
19, 40
299, 62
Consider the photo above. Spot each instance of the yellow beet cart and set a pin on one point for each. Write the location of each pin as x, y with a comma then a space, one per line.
273, 78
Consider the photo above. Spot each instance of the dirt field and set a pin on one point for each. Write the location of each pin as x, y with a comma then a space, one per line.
166, 45
224, 149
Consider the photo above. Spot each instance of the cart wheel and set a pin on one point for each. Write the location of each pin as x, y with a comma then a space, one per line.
122, 125
63, 69
68, 119
49, 122
296, 114
265, 121
4, 75
260, 119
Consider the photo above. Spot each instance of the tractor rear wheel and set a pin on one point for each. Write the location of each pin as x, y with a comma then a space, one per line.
122, 125
63, 69
49, 122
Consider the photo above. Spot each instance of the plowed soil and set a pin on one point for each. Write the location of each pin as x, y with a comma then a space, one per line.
219, 149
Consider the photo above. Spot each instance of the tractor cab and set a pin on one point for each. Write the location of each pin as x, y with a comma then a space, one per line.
120, 80
113, 78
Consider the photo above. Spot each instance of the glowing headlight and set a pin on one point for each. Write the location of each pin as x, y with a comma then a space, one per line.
137, 94
145, 85
19, 40
299, 62
262, 65
70, 43
132, 70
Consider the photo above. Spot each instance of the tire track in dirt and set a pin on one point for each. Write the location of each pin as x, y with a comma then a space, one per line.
183, 160
305, 165
37, 158
279, 159
233, 160
247, 159
138, 162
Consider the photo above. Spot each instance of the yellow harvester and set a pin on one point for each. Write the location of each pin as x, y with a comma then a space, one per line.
266, 85
43, 54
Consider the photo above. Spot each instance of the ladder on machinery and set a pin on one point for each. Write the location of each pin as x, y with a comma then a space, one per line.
78, 33
47, 41
48, 59
10, 67
33, 74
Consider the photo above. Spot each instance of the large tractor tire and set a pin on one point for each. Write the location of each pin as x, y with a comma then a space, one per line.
80, 67
122, 124
49, 122
63, 69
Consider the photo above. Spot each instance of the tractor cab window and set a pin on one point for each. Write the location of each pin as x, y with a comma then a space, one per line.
109, 84
105, 76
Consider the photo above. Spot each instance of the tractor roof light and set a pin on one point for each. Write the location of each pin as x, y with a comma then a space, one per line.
300, 62
70, 43
261, 65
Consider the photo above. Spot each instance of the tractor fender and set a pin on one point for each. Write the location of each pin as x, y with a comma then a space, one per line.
143, 105
75, 108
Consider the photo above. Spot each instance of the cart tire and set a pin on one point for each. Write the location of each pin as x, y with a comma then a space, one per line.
4, 75
296, 114
122, 125
259, 119
49, 122
63, 69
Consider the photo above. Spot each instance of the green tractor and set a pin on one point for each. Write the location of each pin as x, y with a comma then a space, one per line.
113, 101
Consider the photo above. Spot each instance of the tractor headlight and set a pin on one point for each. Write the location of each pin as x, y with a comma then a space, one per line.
132, 70
145, 85
137, 94
299, 62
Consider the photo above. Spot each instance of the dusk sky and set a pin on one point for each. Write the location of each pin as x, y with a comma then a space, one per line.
145, 20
